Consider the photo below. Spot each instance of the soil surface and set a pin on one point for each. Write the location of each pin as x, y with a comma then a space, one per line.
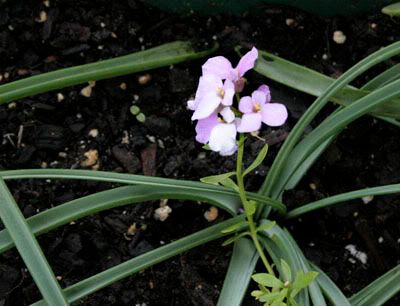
56, 129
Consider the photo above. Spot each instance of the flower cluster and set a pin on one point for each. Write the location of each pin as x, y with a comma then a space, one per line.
218, 122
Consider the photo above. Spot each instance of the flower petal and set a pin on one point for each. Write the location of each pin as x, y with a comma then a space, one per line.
219, 66
207, 105
223, 139
204, 128
250, 123
247, 62
259, 96
227, 114
265, 89
274, 114
207, 83
229, 89
246, 105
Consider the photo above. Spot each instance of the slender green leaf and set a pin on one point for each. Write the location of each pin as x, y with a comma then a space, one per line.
165, 55
330, 290
392, 10
357, 194
302, 280
134, 180
29, 248
241, 267
389, 75
139, 263
332, 126
259, 159
313, 110
379, 291
216, 179
79, 208
315, 83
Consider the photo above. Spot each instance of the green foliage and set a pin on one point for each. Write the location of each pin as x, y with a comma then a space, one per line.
393, 10
259, 159
274, 291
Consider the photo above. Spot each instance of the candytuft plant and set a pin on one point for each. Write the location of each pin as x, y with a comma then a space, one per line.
287, 277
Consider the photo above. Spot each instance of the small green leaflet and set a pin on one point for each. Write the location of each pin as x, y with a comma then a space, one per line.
275, 297
216, 179
266, 226
234, 238
135, 110
259, 159
302, 281
250, 207
234, 227
228, 182
286, 271
267, 280
392, 10
206, 147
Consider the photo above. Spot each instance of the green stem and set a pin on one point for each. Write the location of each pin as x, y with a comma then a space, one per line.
249, 215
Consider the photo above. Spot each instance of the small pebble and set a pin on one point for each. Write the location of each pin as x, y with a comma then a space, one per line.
12, 105
367, 199
46, 3
313, 186
380, 239
339, 37
86, 91
324, 56
102, 24
125, 137
211, 214
60, 97
123, 86
91, 158
62, 154
144, 79
290, 22
59, 278
42, 17
162, 213
93, 133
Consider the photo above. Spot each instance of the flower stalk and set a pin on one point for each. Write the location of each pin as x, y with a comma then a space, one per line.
247, 206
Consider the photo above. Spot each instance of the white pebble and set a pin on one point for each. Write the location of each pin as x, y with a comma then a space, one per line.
93, 133
367, 199
361, 256
162, 213
339, 37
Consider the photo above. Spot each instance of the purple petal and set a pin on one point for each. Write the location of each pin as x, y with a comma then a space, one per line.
207, 83
204, 128
250, 123
219, 66
207, 105
246, 105
274, 114
227, 114
229, 89
259, 97
265, 89
247, 61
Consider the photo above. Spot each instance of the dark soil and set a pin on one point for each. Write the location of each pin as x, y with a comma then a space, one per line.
55, 134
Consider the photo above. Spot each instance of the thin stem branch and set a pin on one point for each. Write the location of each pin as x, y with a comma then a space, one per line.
249, 215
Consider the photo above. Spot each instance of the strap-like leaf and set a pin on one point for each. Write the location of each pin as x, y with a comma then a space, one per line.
29, 248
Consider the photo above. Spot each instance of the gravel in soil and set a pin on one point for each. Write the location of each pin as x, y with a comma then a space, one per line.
94, 129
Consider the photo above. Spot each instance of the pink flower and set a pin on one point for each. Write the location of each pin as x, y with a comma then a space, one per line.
222, 67
257, 109
211, 93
